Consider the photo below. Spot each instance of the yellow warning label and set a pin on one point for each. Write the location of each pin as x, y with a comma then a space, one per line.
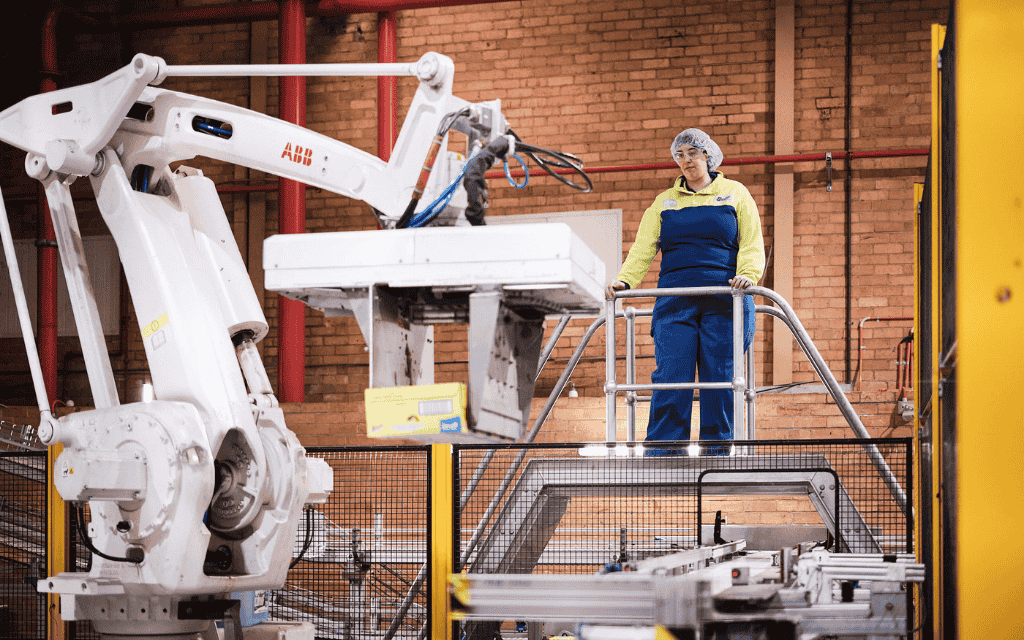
154, 326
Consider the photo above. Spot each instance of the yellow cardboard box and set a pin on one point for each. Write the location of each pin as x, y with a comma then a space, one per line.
430, 413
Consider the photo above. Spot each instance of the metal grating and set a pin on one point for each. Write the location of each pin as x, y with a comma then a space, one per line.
22, 544
550, 509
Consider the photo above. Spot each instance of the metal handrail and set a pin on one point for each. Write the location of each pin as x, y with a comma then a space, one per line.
749, 394
738, 384
785, 313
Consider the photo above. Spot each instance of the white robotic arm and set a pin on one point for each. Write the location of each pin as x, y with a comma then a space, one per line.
164, 126
197, 494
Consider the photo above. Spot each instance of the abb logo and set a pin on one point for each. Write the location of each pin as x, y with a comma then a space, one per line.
297, 154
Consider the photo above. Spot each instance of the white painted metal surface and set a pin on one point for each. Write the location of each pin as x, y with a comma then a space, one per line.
547, 260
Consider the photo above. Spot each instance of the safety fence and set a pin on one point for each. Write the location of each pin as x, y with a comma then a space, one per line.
22, 543
364, 557
552, 508
363, 553
586, 509
363, 569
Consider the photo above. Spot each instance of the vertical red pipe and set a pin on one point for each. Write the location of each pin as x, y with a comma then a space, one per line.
291, 314
46, 304
387, 86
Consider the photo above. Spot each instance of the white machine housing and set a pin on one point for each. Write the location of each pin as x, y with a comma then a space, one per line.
500, 280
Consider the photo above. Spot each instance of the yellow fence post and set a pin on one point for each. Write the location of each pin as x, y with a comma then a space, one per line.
442, 498
56, 545
989, 317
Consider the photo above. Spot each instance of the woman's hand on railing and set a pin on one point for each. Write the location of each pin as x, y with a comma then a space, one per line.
613, 286
741, 282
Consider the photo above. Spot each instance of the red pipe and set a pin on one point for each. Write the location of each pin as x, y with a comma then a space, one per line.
387, 86
291, 314
653, 166
234, 12
46, 305
807, 157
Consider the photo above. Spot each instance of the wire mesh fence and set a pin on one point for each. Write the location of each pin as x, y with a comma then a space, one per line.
23, 543
362, 573
530, 509
553, 509
361, 552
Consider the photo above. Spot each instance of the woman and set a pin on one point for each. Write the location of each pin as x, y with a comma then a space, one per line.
709, 234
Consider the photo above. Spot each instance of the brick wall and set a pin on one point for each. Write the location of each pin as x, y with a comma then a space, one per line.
613, 84
779, 416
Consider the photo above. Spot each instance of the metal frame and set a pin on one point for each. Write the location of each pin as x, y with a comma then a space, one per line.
739, 383
754, 483
541, 495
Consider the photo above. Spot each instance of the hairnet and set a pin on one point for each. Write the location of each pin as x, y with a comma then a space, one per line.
701, 140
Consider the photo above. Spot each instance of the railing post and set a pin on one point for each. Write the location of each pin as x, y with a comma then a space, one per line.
739, 385
630, 314
751, 394
610, 385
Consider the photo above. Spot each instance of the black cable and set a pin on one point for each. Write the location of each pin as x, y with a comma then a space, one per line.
475, 179
308, 540
788, 385
558, 160
79, 515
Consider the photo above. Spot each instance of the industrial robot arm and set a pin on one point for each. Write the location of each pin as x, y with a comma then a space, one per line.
163, 127
198, 494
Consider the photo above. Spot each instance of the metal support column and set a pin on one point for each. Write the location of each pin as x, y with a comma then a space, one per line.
441, 534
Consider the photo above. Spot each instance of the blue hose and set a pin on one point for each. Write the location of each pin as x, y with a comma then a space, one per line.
526, 172
437, 206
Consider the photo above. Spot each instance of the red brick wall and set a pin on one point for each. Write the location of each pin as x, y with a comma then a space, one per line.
613, 84
782, 416
779, 416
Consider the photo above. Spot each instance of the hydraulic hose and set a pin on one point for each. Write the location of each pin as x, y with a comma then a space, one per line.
421, 183
558, 160
428, 165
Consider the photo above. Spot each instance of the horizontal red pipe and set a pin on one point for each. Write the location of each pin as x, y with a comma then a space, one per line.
247, 188
838, 155
807, 157
262, 11
518, 173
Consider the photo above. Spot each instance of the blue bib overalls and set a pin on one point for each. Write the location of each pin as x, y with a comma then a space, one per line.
699, 246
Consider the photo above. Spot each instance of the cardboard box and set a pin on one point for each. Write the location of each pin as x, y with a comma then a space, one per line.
428, 413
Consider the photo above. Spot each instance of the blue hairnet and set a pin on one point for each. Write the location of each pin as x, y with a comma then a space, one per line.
701, 140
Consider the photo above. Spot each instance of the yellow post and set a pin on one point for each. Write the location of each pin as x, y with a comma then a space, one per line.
990, 317
934, 259
916, 377
442, 497
56, 545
